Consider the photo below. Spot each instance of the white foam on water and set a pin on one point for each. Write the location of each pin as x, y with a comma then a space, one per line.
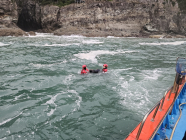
51, 112
112, 37
44, 34
92, 55
42, 65
40, 35
8, 120
57, 45
68, 79
2, 44
124, 69
73, 36
151, 74
77, 101
61, 44
47, 65
164, 43
91, 42
52, 101
16, 98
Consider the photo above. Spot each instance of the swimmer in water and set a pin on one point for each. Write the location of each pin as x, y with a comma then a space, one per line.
98, 70
84, 70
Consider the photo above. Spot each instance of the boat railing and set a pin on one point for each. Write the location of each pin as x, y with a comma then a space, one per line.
154, 115
170, 89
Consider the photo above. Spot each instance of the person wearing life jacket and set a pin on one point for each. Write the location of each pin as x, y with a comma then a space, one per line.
84, 69
98, 70
105, 68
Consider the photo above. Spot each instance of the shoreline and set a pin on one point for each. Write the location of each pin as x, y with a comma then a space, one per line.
94, 19
86, 33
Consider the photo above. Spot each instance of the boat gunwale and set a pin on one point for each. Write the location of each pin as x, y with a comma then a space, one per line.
157, 128
166, 114
151, 110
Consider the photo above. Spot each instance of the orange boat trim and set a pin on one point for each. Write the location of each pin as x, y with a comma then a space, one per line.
149, 126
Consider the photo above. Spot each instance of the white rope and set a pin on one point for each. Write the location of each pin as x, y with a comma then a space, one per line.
177, 121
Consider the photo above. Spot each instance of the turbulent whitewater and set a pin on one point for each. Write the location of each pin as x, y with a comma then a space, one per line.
43, 95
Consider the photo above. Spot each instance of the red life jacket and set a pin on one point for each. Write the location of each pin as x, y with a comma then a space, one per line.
104, 70
84, 71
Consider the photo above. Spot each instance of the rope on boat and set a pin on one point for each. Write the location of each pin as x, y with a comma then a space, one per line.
177, 121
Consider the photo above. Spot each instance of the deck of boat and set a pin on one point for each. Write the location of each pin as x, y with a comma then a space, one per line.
151, 126
181, 126
180, 129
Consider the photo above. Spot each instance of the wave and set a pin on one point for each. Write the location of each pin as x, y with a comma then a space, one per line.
44, 34
92, 55
56, 45
91, 42
61, 44
164, 43
2, 44
151, 74
8, 120
47, 65
41, 65
73, 36
52, 102
78, 101
112, 37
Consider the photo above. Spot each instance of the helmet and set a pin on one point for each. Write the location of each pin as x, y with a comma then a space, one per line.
84, 66
105, 65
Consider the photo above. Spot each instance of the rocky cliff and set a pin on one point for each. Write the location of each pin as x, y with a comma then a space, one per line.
98, 18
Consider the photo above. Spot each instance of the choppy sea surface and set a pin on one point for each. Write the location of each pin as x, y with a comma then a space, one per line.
43, 96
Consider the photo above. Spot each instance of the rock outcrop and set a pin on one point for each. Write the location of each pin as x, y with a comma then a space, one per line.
9, 19
123, 18
12, 32
8, 14
98, 18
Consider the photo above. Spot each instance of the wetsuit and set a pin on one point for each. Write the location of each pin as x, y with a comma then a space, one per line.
94, 71
98, 70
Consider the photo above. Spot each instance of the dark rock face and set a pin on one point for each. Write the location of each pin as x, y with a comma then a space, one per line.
49, 17
30, 16
124, 18
101, 18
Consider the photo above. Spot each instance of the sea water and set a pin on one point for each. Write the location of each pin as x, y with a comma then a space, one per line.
43, 95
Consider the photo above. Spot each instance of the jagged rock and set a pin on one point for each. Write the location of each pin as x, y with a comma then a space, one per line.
32, 33
12, 32
149, 28
117, 18
8, 13
173, 27
49, 17
168, 36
